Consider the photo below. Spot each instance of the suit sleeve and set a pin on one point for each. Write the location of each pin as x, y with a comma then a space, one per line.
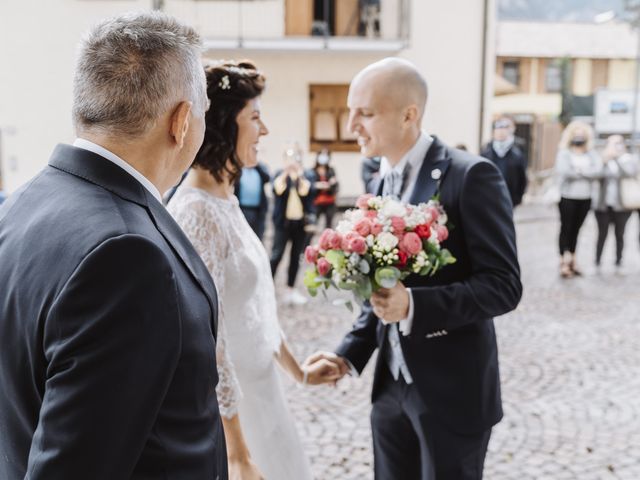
492, 286
112, 340
360, 343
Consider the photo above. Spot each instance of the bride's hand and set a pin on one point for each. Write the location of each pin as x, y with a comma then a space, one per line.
243, 469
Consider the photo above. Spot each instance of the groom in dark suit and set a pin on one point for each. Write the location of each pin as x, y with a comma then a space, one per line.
436, 391
107, 314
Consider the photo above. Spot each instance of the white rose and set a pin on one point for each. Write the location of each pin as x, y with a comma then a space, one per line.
344, 227
354, 215
387, 241
393, 208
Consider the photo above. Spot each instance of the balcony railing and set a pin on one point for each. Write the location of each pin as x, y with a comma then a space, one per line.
298, 24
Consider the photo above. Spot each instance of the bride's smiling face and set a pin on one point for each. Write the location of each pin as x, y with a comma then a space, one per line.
250, 129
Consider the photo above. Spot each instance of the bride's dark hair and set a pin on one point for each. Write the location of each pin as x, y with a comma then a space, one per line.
230, 85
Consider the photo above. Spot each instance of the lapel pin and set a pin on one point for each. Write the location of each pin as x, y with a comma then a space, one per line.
436, 173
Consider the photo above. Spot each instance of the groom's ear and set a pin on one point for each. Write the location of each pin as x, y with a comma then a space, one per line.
179, 125
411, 114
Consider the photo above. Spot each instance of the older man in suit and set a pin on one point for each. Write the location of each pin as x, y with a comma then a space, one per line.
107, 314
436, 391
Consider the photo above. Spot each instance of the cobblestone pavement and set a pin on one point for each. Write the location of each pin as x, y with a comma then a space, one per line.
569, 359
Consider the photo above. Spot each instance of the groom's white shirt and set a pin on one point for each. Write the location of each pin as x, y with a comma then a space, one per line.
112, 157
414, 157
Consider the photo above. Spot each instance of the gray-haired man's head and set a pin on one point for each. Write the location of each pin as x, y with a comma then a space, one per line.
134, 68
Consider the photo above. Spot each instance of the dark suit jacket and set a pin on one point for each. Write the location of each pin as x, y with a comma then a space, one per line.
455, 373
513, 167
107, 333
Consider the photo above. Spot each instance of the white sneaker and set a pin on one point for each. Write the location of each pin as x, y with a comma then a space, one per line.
294, 297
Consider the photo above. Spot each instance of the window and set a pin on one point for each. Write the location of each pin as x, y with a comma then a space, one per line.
511, 72
553, 76
328, 118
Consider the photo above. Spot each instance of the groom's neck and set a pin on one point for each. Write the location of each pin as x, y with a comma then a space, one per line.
403, 147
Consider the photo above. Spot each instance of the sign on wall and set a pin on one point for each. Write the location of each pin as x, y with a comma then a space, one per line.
613, 111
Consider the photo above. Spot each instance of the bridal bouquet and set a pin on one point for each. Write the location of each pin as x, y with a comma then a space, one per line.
377, 244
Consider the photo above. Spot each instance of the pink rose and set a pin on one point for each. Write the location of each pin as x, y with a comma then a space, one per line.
442, 232
363, 201
311, 254
346, 241
323, 241
376, 228
323, 267
371, 214
335, 241
358, 245
398, 224
363, 227
411, 243
434, 212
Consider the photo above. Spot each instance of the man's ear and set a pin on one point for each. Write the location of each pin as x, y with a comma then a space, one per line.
411, 114
180, 123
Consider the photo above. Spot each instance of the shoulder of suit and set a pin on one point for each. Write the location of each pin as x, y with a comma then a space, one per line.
465, 160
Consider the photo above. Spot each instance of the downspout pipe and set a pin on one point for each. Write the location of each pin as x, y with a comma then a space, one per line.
483, 70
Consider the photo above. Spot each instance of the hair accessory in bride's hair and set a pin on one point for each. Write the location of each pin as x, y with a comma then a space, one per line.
224, 83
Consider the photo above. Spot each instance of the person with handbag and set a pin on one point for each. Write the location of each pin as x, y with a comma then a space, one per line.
608, 197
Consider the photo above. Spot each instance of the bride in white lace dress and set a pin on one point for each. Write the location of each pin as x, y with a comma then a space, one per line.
262, 441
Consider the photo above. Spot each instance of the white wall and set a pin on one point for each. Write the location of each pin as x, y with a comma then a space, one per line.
446, 45
38, 42
261, 19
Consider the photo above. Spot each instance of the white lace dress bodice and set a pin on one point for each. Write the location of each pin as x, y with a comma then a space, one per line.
238, 263
248, 334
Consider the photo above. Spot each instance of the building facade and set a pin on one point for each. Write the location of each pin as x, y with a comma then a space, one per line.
532, 58
308, 49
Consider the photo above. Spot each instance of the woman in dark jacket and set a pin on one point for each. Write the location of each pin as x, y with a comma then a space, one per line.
326, 187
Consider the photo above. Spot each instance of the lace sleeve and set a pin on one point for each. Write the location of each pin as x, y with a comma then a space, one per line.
207, 234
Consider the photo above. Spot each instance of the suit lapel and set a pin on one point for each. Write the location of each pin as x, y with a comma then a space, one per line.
434, 168
100, 171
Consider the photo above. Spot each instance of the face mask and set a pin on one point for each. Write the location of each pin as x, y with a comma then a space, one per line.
578, 141
323, 159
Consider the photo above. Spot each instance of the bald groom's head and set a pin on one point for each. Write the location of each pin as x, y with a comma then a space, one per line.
386, 101
398, 80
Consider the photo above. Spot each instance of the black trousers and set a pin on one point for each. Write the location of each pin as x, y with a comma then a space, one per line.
293, 230
409, 443
619, 221
572, 215
328, 211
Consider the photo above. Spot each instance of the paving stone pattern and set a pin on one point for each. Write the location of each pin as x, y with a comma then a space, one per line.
569, 359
